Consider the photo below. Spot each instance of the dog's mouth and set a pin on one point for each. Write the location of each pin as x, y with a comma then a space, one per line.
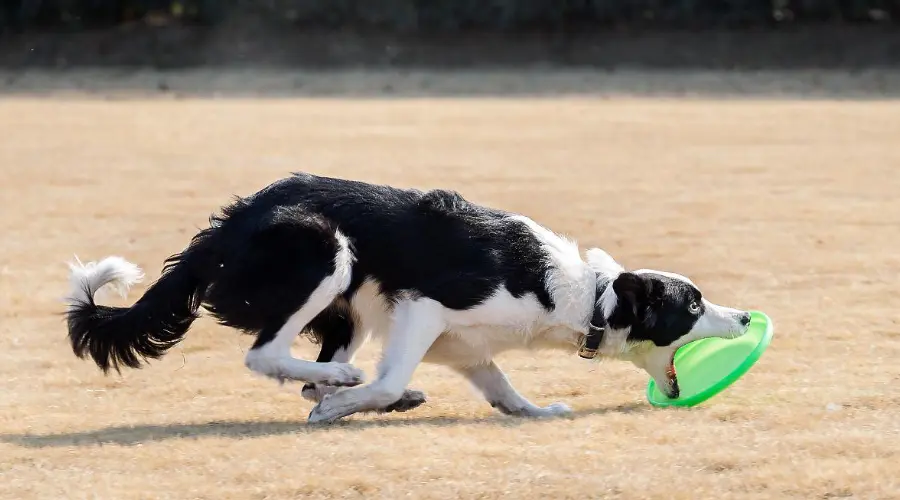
674, 390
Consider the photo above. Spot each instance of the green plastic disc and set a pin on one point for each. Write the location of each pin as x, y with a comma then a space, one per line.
706, 367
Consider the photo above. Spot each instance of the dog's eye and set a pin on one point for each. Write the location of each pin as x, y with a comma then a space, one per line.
694, 307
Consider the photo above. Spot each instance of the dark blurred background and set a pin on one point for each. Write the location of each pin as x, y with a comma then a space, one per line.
730, 34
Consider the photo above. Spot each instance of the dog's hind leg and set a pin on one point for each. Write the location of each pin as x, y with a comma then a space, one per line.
271, 353
336, 331
493, 384
314, 266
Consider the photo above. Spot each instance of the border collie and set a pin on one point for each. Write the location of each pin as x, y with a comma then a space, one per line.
438, 278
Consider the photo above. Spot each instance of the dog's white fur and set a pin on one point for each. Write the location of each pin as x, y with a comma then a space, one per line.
420, 330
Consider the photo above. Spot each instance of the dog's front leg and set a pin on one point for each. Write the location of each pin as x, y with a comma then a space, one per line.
316, 392
492, 382
416, 325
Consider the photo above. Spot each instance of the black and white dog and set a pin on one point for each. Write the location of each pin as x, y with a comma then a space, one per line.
439, 279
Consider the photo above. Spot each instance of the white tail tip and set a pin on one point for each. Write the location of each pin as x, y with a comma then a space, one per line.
87, 279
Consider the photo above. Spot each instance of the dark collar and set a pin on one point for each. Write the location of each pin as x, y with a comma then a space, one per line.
590, 343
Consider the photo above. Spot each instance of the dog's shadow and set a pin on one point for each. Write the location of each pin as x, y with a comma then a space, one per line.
139, 434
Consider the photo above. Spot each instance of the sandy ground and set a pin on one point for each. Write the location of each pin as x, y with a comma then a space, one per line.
785, 206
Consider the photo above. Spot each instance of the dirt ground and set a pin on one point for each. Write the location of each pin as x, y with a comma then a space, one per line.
785, 206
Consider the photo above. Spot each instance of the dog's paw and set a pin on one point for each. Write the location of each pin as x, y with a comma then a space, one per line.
309, 392
531, 410
411, 399
556, 409
320, 414
316, 416
328, 411
316, 392
343, 375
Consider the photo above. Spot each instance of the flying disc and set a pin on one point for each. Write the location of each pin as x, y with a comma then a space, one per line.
708, 366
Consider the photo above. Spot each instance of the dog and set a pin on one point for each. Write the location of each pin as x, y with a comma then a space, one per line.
437, 278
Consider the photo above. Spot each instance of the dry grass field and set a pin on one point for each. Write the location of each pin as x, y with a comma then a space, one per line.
790, 207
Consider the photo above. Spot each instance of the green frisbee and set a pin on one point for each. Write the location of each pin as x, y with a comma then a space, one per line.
706, 367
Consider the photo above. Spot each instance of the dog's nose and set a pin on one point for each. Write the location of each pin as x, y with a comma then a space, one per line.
745, 319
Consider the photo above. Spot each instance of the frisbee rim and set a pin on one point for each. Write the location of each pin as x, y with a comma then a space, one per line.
725, 381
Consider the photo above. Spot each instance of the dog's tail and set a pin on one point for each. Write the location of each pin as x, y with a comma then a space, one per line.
115, 336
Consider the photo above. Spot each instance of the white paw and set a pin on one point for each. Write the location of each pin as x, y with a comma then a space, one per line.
557, 409
324, 412
319, 412
343, 375
531, 410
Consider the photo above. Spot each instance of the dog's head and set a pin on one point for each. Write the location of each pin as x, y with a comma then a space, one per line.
650, 314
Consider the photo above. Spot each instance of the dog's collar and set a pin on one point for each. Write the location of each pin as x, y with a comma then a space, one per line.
589, 344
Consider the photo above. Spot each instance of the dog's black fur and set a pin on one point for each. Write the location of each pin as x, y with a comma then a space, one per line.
259, 260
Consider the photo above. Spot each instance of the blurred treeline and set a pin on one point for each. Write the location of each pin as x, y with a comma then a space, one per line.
451, 16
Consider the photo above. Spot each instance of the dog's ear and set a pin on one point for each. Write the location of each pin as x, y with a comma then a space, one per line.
632, 293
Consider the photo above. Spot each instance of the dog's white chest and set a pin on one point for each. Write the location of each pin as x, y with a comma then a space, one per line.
501, 323
481, 343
